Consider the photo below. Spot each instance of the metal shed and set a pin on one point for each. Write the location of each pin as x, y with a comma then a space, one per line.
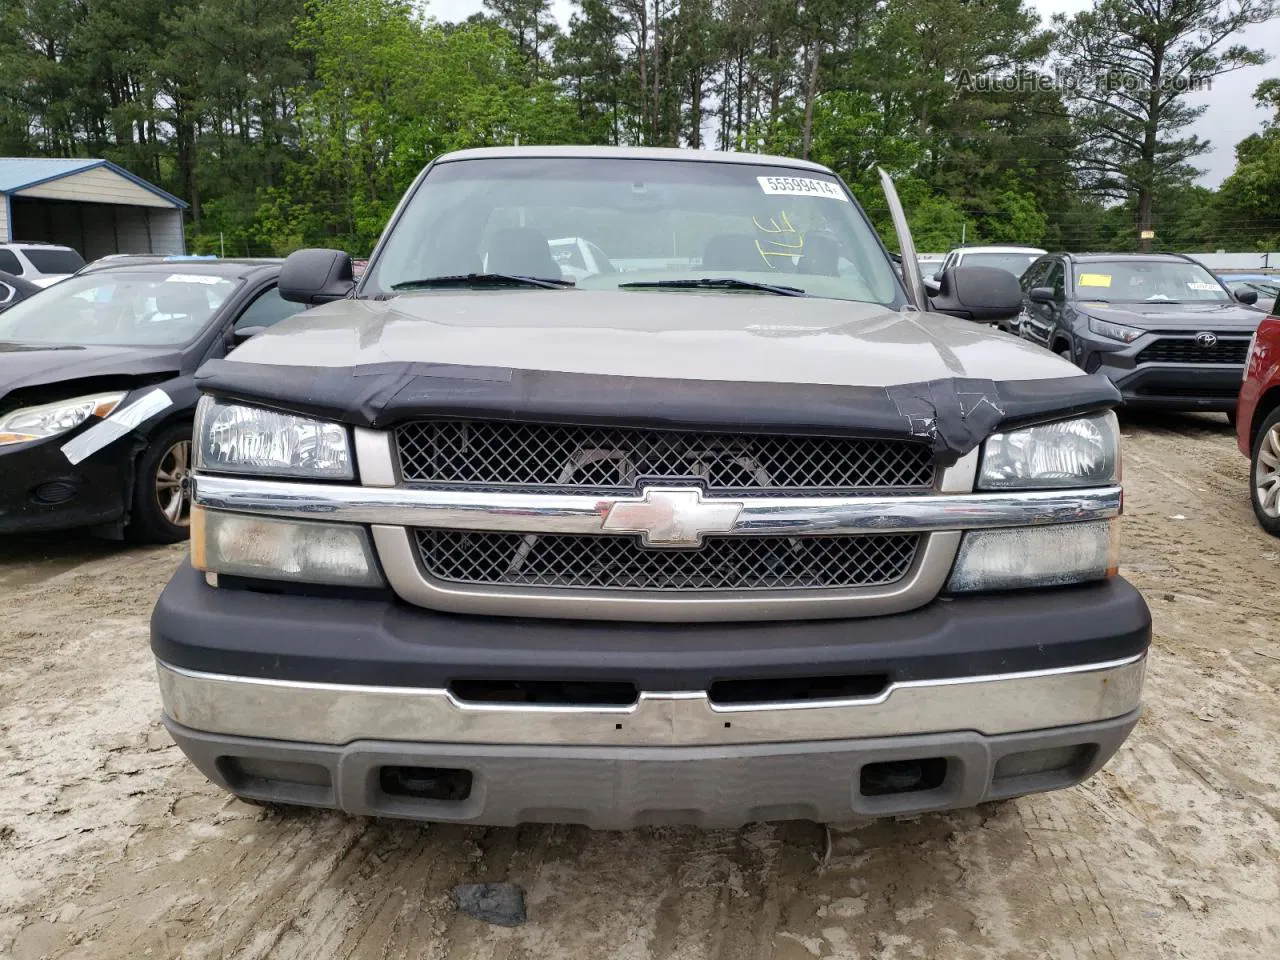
92, 205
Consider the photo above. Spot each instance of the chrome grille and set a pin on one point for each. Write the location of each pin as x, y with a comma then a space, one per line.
497, 453
622, 563
1186, 350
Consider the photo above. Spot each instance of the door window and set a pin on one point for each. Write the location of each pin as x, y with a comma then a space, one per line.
10, 263
1034, 275
269, 308
1058, 280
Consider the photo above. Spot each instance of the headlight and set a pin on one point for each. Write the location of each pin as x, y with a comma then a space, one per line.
51, 419
1036, 556
232, 438
1114, 331
300, 550
1084, 452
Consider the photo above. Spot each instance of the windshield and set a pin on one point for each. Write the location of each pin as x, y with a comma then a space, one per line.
1131, 281
53, 261
1015, 263
603, 222
133, 309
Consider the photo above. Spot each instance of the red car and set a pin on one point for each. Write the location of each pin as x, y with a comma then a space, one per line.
1258, 421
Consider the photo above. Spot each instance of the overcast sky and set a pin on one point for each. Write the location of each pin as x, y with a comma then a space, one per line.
1230, 118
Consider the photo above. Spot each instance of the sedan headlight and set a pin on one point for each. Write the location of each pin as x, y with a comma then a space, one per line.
51, 419
1084, 452
234, 438
1114, 331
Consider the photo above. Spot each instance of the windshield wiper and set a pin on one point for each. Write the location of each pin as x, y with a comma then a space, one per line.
483, 279
724, 283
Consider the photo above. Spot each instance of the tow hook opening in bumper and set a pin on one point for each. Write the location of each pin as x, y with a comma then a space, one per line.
447, 784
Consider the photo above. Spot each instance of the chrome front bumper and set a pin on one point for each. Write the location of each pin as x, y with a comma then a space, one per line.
340, 714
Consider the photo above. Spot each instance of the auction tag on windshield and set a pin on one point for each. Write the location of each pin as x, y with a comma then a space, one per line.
1095, 280
801, 187
1201, 285
191, 278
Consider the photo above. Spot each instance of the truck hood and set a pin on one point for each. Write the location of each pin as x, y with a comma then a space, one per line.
37, 365
1218, 317
683, 335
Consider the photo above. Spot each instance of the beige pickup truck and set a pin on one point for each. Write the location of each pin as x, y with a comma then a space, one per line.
746, 526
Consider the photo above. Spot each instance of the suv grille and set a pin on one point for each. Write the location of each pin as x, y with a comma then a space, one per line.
621, 563
495, 453
1186, 350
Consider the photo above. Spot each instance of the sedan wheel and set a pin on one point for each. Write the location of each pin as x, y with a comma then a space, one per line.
173, 484
161, 509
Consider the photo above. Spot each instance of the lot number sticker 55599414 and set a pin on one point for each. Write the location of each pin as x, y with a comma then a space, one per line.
801, 187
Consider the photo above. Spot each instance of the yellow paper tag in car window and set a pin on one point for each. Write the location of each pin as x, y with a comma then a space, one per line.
1095, 280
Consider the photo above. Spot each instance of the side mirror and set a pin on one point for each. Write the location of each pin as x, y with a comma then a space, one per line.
1042, 295
981, 294
937, 276
1247, 297
316, 276
242, 334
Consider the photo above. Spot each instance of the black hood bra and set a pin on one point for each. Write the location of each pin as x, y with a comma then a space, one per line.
953, 415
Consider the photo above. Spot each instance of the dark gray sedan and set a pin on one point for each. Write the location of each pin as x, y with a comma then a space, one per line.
97, 395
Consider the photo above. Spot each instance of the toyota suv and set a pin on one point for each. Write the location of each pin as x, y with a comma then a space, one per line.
743, 527
1160, 326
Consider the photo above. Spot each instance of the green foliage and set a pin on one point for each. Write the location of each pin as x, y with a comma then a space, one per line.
1134, 66
937, 224
1246, 209
289, 123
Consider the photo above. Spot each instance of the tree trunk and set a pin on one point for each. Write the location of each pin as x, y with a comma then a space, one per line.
642, 51
1146, 188
185, 134
810, 93
695, 97
655, 119
1144, 216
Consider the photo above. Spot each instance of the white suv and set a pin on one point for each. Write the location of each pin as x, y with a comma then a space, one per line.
1015, 259
41, 263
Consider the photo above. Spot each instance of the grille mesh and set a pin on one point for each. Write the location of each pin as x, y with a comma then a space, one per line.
622, 563
1179, 350
496, 453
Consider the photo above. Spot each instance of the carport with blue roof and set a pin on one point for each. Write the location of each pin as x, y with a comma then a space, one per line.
95, 206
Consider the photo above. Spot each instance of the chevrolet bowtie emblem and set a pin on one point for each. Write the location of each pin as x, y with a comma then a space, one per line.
672, 516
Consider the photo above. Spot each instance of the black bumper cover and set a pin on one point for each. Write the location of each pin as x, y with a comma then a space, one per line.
1171, 386
385, 642
41, 490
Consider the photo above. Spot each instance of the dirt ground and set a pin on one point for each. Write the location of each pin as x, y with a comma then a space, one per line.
112, 846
